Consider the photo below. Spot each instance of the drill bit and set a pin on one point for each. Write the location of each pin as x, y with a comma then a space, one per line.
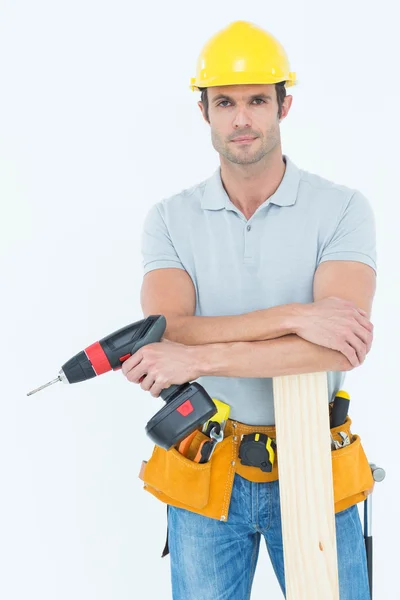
45, 385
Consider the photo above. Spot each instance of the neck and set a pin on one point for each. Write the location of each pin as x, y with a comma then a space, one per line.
249, 186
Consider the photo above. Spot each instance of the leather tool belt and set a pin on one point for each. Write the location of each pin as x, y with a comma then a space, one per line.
206, 488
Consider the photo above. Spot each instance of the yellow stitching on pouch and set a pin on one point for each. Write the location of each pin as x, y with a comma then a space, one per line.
225, 505
226, 487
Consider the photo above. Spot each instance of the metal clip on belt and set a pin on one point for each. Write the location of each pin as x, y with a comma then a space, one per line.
257, 450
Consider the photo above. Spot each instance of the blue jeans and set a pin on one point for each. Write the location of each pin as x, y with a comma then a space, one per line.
216, 559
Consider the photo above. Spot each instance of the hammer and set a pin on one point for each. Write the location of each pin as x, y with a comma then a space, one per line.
379, 475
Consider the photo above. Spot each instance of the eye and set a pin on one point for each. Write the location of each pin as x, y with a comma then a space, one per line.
220, 103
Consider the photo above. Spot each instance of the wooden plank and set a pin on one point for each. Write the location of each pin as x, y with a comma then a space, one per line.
306, 486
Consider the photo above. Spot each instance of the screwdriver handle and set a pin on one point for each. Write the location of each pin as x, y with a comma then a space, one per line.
340, 409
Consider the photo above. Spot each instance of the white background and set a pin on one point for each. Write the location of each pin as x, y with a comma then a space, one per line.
97, 124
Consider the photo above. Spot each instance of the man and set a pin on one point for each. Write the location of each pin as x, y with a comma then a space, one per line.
262, 270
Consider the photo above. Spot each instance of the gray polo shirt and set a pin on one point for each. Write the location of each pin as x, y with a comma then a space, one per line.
239, 265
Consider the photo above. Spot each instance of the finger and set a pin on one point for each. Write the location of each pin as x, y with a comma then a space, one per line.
147, 383
137, 374
358, 346
350, 354
155, 390
364, 335
131, 362
365, 322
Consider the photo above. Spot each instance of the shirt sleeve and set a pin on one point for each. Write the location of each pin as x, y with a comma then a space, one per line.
355, 235
158, 251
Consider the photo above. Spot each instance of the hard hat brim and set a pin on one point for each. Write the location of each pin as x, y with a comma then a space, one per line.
243, 79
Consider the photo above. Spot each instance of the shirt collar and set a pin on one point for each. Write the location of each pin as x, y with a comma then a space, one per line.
215, 196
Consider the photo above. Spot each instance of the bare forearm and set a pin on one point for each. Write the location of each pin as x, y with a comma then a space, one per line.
265, 324
289, 355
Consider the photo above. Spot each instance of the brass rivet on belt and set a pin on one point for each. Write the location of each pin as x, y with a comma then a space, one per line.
235, 438
223, 518
233, 463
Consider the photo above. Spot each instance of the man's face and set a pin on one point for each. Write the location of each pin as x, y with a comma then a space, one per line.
244, 110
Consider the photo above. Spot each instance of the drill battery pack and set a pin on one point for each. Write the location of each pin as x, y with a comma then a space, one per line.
183, 413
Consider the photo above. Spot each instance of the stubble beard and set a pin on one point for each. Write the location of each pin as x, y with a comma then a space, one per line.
244, 154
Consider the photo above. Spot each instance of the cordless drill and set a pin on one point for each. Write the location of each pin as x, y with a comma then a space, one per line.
186, 406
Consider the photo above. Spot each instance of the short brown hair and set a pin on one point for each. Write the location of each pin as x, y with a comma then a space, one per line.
280, 95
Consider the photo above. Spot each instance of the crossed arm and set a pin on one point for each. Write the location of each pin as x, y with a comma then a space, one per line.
262, 343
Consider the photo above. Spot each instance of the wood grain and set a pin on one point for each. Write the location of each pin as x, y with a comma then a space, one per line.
306, 486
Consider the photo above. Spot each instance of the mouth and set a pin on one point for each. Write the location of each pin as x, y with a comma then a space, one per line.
244, 140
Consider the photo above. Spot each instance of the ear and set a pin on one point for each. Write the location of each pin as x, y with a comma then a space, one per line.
201, 106
287, 103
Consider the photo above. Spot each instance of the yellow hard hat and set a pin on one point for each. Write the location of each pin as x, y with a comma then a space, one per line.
239, 54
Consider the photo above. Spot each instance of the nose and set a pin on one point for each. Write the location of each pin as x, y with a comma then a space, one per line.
242, 118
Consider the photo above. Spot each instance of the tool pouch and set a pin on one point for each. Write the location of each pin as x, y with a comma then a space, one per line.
202, 488
352, 476
206, 488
